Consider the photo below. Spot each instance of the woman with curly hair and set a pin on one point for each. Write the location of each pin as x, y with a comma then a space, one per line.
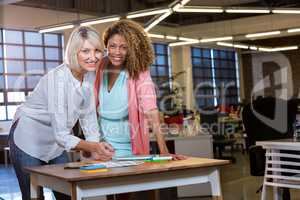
126, 99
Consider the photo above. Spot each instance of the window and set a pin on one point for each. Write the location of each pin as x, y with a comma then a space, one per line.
160, 70
225, 76
215, 77
25, 56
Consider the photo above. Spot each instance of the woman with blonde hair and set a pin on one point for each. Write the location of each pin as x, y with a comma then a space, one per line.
42, 127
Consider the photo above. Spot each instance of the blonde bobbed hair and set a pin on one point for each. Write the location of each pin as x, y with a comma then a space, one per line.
75, 42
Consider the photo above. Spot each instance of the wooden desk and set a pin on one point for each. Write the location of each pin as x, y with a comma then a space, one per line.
147, 176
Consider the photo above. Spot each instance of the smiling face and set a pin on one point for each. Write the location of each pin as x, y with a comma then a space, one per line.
89, 56
117, 50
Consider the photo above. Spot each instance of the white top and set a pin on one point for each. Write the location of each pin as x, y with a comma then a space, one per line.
46, 119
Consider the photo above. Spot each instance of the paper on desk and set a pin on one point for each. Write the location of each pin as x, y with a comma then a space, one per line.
114, 164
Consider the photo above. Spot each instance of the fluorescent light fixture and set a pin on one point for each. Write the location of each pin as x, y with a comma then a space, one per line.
248, 10
216, 39
159, 19
57, 28
254, 48
293, 30
182, 43
100, 21
225, 44
183, 2
179, 5
285, 48
265, 49
176, 7
200, 9
285, 11
152, 35
240, 46
170, 37
188, 39
146, 13
262, 34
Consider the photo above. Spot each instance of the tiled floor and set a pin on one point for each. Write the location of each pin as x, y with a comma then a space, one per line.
9, 187
237, 184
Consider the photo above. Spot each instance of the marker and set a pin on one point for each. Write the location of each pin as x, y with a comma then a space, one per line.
94, 170
161, 158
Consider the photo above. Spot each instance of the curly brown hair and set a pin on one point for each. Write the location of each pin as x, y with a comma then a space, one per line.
140, 53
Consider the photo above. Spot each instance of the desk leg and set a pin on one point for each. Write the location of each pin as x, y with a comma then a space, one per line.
214, 180
35, 192
75, 192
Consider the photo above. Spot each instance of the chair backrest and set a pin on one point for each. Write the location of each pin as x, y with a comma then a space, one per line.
282, 166
210, 120
258, 130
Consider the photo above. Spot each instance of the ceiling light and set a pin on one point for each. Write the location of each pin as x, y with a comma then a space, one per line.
240, 46
293, 30
239, 10
182, 43
169, 37
146, 13
254, 48
156, 35
56, 28
225, 44
285, 11
216, 39
176, 7
99, 21
200, 9
265, 49
285, 48
278, 49
157, 20
262, 34
183, 2
188, 39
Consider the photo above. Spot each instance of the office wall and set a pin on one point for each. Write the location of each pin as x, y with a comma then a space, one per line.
278, 73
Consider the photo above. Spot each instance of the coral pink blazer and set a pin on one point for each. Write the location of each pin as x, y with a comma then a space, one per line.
141, 98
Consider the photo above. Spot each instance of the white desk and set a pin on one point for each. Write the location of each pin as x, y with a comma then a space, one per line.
147, 176
4, 133
293, 145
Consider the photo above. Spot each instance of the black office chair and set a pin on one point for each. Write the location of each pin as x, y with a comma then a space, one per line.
257, 130
209, 120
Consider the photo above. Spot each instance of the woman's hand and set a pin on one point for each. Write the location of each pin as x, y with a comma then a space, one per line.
96, 150
175, 156
103, 151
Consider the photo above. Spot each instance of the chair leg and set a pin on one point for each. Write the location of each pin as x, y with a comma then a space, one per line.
264, 193
5, 157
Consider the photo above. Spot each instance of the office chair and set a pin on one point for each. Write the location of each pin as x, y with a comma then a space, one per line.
209, 119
